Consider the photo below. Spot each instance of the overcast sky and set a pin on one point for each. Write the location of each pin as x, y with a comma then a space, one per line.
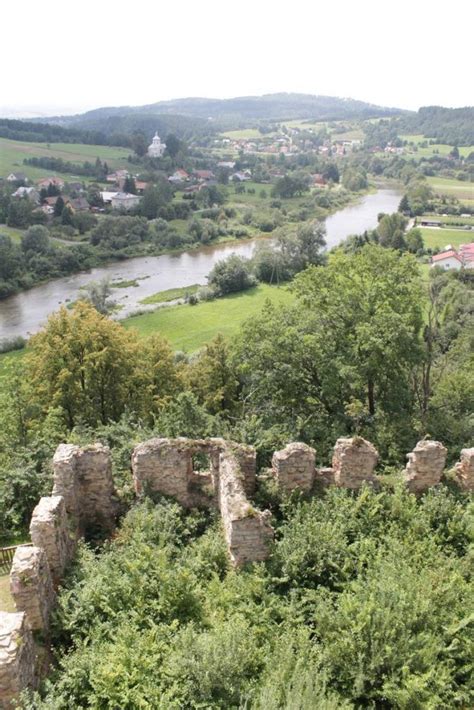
72, 56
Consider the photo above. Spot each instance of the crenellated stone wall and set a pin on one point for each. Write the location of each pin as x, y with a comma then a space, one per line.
17, 658
294, 467
83, 476
425, 465
31, 586
84, 499
465, 470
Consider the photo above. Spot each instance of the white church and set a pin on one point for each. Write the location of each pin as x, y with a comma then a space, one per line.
156, 148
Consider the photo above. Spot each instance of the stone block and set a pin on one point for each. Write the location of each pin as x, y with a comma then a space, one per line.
465, 470
49, 530
354, 461
293, 467
31, 586
17, 658
425, 465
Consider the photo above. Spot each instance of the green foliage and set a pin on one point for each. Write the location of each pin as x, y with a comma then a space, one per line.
231, 275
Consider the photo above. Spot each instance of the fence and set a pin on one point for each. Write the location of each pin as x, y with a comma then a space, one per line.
6, 557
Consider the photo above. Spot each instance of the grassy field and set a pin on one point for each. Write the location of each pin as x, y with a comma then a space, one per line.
12, 154
171, 294
435, 149
439, 238
14, 234
190, 327
452, 188
243, 134
6, 601
449, 219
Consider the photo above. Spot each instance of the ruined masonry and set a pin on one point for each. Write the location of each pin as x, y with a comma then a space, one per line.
465, 470
167, 466
83, 502
425, 465
17, 658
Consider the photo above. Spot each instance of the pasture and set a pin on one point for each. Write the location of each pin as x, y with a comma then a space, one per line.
434, 149
452, 188
189, 328
12, 154
436, 238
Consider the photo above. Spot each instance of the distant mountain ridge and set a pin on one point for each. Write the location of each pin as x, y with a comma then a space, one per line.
230, 112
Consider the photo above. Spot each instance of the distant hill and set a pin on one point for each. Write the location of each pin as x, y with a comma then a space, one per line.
454, 126
191, 116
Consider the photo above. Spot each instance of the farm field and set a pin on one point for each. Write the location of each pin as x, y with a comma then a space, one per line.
188, 328
452, 188
12, 154
439, 238
14, 234
243, 134
450, 219
436, 148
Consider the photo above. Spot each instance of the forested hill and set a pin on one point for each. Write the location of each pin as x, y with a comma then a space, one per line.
454, 126
203, 114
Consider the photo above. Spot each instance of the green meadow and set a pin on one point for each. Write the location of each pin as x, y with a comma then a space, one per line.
435, 148
435, 238
188, 327
12, 154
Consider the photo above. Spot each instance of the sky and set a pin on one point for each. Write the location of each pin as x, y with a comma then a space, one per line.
67, 57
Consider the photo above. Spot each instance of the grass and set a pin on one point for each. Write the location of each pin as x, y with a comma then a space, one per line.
14, 234
6, 601
452, 188
190, 327
439, 238
171, 294
449, 219
12, 154
243, 134
435, 149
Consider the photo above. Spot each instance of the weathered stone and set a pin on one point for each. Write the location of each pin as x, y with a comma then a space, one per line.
324, 476
247, 530
49, 530
354, 461
425, 465
17, 658
166, 466
293, 467
83, 476
465, 470
31, 586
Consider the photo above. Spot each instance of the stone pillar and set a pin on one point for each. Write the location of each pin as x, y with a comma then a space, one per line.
354, 461
246, 458
83, 476
32, 587
425, 465
293, 467
247, 531
49, 530
17, 658
163, 466
465, 470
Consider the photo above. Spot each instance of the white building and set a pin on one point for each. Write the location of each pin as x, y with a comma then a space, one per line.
124, 201
449, 259
157, 148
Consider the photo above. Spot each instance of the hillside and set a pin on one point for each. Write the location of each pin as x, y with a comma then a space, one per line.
223, 112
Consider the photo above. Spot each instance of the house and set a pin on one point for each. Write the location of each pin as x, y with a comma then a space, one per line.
203, 175
28, 192
46, 182
51, 201
156, 147
178, 176
229, 164
124, 201
106, 196
80, 204
466, 252
318, 179
75, 187
17, 177
240, 177
117, 176
449, 259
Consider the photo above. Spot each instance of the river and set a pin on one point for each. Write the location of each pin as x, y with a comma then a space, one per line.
24, 313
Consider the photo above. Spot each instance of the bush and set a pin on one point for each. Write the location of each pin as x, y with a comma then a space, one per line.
9, 344
231, 275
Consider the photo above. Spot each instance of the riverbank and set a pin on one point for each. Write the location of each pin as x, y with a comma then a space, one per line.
25, 313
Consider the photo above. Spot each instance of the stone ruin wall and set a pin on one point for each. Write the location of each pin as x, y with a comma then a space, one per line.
83, 497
